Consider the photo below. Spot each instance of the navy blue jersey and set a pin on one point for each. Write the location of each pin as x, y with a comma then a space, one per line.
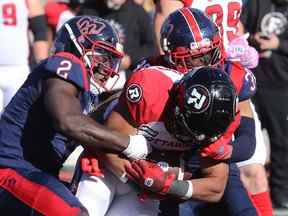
27, 136
243, 79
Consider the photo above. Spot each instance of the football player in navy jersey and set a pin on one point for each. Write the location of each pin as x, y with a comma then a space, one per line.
46, 117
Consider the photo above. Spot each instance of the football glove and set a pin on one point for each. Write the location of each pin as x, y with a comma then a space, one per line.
221, 149
150, 176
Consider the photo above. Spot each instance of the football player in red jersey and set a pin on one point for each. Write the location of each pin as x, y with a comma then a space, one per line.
176, 115
226, 14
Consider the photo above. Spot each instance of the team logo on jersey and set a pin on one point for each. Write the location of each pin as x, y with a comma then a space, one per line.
134, 93
198, 98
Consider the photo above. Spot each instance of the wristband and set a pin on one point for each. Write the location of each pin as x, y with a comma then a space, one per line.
180, 174
181, 189
189, 193
123, 178
138, 148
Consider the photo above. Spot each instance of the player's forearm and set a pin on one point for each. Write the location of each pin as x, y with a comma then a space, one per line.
92, 135
204, 189
40, 50
209, 188
95, 137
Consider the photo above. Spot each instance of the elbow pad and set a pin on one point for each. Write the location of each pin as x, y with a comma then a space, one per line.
38, 26
244, 143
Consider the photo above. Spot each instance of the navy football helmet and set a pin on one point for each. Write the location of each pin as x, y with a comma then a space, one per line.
190, 39
203, 104
95, 42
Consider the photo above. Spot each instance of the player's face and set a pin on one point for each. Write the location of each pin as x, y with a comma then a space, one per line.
186, 59
104, 64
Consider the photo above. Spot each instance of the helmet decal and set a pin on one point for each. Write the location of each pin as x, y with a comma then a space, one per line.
198, 99
87, 25
202, 105
192, 23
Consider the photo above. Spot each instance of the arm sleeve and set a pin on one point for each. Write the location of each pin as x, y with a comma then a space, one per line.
144, 96
38, 26
245, 140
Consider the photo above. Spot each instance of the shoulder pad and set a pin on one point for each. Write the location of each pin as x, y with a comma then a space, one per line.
149, 62
249, 86
68, 67
146, 92
242, 78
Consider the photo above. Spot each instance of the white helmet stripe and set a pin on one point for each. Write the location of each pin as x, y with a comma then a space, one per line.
73, 38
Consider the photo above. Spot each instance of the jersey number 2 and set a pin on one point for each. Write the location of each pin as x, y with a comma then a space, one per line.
65, 67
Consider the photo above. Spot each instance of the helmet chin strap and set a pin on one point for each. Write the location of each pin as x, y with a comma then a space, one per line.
95, 88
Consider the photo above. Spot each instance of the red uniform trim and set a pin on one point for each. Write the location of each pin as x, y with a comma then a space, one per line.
35, 195
187, 3
237, 75
192, 23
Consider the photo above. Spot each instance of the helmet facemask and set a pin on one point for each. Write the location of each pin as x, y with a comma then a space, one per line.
102, 61
184, 59
190, 40
177, 125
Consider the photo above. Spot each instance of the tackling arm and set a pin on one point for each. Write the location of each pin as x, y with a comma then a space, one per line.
62, 103
211, 185
158, 182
